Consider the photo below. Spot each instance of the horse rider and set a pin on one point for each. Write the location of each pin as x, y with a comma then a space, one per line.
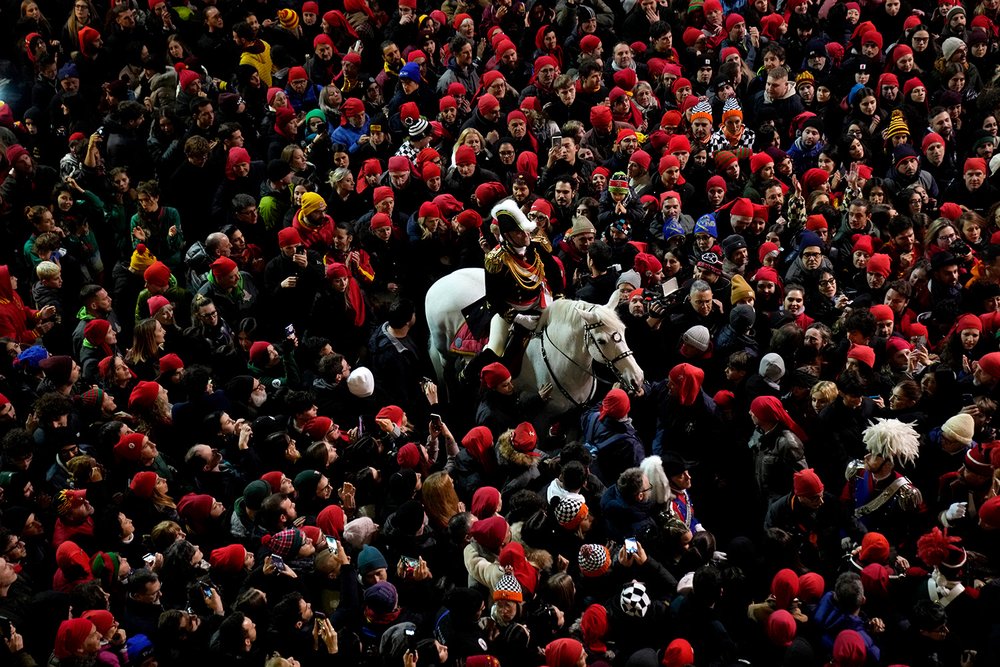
522, 279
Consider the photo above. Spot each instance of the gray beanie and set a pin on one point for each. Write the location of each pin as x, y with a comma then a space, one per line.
772, 367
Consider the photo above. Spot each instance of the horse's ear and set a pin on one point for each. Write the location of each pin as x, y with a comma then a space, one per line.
614, 300
589, 316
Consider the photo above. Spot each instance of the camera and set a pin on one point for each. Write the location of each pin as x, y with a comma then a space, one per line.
959, 248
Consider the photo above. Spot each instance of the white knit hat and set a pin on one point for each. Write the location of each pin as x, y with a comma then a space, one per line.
361, 382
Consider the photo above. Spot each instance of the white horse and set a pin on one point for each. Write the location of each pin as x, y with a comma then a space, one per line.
570, 337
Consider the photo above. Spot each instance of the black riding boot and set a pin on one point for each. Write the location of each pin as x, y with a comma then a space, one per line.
469, 376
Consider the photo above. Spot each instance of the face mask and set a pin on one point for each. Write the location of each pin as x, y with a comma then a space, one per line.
258, 398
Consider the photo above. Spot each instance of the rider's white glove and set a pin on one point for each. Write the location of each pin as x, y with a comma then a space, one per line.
956, 511
529, 322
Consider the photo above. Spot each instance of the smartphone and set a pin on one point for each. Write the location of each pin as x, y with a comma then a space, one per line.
207, 591
278, 562
361, 426
436, 419
289, 331
411, 564
331, 544
411, 639
149, 559
631, 546
967, 399
556, 142
358, 45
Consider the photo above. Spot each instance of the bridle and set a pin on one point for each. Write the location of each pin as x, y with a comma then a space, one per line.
591, 341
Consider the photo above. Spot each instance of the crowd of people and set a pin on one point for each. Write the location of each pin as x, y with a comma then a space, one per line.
222, 436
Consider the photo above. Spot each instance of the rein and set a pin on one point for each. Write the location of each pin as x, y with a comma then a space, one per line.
590, 339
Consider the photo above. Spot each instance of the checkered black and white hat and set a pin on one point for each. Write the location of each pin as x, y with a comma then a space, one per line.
594, 560
508, 588
570, 512
634, 599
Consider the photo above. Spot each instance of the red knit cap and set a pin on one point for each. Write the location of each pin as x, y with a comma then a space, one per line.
331, 520
815, 177
143, 484
222, 267
230, 559
129, 447
785, 587
687, 379
487, 103
258, 353
470, 219
96, 331
154, 303
144, 395
815, 222
380, 220
863, 243
641, 158
874, 548
170, 363
157, 274
862, 353
71, 636
563, 652
493, 375
273, 480
882, 313
989, 514
317, 427
930, 139
409, 456
525, 439
880, 264
974, 164
600, 116
615, 405
380, 193
289, 236
393, 413
807, 483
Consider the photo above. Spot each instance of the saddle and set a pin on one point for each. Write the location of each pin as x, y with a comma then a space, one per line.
473, 334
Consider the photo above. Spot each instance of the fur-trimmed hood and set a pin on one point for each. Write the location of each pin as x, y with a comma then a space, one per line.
507, 455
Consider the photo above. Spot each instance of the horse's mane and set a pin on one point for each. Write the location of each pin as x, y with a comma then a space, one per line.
566, 310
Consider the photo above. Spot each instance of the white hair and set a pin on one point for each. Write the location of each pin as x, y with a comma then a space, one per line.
652, 467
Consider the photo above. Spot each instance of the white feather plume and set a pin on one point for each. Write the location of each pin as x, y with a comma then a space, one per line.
509, 207
892, 439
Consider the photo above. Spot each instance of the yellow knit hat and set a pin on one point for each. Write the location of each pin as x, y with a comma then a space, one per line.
141, 260
740, 289
311, 202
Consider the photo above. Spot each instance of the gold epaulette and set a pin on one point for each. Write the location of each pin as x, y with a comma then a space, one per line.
543, 241
494, 259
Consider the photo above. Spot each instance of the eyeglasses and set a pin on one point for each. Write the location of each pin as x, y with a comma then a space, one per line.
812, 254
208, 316
828, 282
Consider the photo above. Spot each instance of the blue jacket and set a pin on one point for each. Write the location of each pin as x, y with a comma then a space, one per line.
831, 621
625, 518
349, 135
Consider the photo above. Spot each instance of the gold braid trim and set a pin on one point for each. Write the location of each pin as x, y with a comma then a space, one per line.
529, 278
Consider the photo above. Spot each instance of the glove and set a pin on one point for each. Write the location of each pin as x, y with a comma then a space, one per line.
529, 322
956, 511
